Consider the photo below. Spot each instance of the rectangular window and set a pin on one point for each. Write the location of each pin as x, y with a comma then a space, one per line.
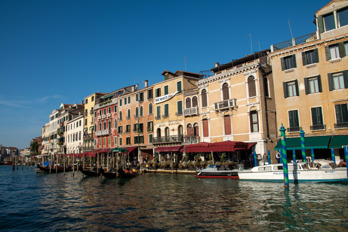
119, 130
158, 116
128, 141
166, 90
149, 126
254, 121
227, 124
310, 57
115, 141
293, 121
205, 128
334, 51
120, 102
341, 115
138, 139
125, 101
288, 62
120, 143
290, 89
128, 128
129, 100
338, 80
141, 97
342, 17
150, 138
179, 108
92, 98
149, 94
178, 86
329, 22
135, 126
115, 109
346, 48
317, 119
109, 142
166, 111
104, 145
158, 92
313, 85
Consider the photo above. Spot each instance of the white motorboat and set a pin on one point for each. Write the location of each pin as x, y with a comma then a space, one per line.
321, 171
217, 171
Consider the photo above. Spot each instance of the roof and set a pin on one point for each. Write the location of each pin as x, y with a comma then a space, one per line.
247, 58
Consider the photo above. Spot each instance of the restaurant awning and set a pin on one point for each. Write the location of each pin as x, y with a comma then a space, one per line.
225, 146
102, 150
338, 141
314, 142
168, 149
119, 149
130, 149
197, 148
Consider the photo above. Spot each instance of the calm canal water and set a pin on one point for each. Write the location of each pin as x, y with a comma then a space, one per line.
32, 201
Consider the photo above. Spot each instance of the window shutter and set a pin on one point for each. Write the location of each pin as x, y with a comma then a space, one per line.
282, 62
297, 92
342, 49
345, 77
306, 85
319, 84
179, 107
316, 55
166, 109
331, 86
304, 60
327, 52
294, 60
285, 87
314, 116
178, 85
321, 25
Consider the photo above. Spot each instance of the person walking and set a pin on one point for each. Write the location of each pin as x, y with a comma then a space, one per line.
278, 156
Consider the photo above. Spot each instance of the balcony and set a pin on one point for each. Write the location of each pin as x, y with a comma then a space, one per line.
191, 111
318, 127
341, 125
225, 105
102, 132
168, 139
165, 116
158, 117
103, 116
293, 42
191, 139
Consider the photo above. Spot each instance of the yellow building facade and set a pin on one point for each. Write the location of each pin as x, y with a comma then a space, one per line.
311, 78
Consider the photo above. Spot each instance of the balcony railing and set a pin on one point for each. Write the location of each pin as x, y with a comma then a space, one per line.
225, 105
102, 132
341, 125
318, 127
294, 129
192, 139
295, 41
165, 116
168, 139
191, 111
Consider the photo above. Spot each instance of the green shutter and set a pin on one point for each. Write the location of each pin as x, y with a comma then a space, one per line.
282, 62
306, 85
342, 49
304, 60
158, 111
345, 77
316, 55
165, 90
321, 24
150, 109
319, 84
178, 85
327, 52
285, 88
179, 107
136, 97
297, 92
141, 111
166, 110
294, 60
314, 116
331, 85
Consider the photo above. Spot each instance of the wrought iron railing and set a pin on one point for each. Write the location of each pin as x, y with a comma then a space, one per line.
168, 139
318, 127
341, 125
295, 41
226, 104
191, 111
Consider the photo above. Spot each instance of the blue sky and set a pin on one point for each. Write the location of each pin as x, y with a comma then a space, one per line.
54, 51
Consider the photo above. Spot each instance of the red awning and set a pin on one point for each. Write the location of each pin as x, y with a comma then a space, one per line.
250, 145
168, 149
225, 146
102, 151
197, 148
130, 149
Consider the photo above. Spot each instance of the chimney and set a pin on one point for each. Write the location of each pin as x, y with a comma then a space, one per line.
146, 83
82, 102
133, 88
137, 86
217, 64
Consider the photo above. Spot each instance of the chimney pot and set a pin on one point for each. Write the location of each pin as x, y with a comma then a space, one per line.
146, 83
217, 64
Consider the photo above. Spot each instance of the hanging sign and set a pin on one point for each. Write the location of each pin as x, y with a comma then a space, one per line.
165, 98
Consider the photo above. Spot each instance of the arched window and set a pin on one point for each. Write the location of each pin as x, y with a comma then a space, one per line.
109, 124
225, 94
204, 98
141, 111
120, 117
150, 108
137, 112
195, 129
251, 86
189, 130
115, 123
194, 101
128, 114
188, 103
180, 131
158, 132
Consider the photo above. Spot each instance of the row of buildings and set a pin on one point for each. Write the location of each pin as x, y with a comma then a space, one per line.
300, 83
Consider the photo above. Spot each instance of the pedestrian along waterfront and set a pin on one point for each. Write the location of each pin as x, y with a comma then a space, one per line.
165, 202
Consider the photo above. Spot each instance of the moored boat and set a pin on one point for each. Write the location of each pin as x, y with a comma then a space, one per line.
56, 168
91, 171
217, 171
320, 171
122, 173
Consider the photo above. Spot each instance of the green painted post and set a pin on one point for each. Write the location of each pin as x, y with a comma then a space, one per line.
303, 148
284, 157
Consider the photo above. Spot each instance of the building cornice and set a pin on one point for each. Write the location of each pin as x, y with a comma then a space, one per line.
231, 73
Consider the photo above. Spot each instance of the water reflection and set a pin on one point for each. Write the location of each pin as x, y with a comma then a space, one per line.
153, 202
